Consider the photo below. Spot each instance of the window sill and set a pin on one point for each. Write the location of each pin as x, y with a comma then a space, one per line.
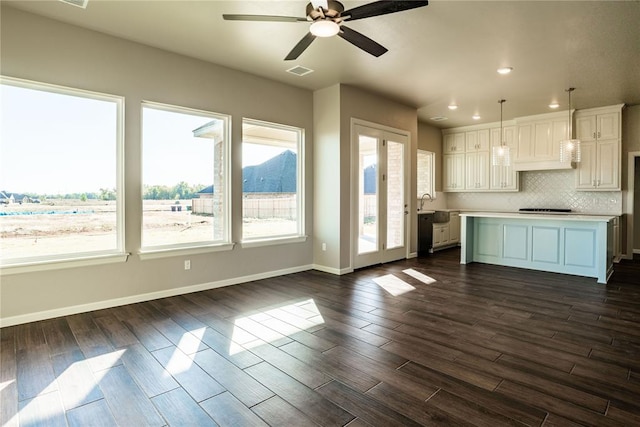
166, 252
74, 260
273, 241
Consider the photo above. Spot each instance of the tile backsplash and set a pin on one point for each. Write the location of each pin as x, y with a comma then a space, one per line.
542, 189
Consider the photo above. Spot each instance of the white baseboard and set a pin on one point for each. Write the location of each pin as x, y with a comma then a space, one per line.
331, 270
99, 305
413, 255
636, 251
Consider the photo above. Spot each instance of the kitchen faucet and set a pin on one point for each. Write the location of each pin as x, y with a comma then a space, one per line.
422, 200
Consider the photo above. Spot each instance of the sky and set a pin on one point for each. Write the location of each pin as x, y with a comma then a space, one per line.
52, 143
59, 144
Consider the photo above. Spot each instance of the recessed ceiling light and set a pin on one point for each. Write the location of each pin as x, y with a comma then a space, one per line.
453, 107
438, 118
554, 105
505, 70
476, 117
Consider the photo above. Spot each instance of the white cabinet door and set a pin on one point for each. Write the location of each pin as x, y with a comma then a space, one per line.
607, 127
454, 143
504, 178
477, 140
586, 128
477, 172
586, 170
453, 172
542, 141
454, 227
440, 235
608, 159
599, 133
525, 142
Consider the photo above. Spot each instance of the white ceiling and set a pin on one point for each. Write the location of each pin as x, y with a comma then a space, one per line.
447, 52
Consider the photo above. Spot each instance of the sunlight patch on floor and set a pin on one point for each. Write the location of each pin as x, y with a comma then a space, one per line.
394, 285
270, 325
417, 275
46, 406
178, 362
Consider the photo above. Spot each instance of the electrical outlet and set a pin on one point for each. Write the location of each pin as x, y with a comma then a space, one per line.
187, 264
324, 246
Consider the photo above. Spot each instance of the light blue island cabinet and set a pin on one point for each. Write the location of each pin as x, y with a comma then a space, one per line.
581, 245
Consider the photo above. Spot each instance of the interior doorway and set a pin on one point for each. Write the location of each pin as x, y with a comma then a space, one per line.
632, 213
379, 206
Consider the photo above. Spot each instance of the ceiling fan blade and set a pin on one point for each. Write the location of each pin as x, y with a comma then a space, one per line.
300, 47
264, 18
363, 42
320, 3
380, 8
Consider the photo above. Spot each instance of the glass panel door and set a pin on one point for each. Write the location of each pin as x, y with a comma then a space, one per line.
395, 195
367, 194
379, 182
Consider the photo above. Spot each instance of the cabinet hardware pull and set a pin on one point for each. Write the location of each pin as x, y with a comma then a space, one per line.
598, 134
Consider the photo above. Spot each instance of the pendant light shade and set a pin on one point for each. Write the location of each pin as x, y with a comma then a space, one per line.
501, 154
570, 148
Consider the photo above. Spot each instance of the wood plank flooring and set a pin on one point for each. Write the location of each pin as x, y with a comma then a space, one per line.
443, 344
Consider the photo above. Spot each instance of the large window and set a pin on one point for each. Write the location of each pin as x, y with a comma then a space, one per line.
60, 181
271, 181
184, 173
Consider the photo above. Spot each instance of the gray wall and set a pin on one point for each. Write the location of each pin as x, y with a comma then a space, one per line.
45, 50
630, 144
430, 139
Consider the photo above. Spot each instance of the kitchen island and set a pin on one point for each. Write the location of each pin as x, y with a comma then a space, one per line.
581, 245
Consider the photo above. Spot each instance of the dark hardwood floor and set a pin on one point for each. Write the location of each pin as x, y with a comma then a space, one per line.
425, 341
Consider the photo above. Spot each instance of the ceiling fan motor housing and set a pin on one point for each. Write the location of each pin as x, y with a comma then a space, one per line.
334, 11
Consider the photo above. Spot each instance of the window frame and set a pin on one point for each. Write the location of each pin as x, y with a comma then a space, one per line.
300, 235
196, 247
432, 189
83, 258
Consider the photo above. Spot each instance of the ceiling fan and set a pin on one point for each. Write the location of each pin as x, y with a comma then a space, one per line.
327, 17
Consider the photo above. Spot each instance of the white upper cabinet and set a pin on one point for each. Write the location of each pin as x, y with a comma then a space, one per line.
477, 140
593, 126
538, 141
453, 172
504, 178
477, 170
454, 143
599, 131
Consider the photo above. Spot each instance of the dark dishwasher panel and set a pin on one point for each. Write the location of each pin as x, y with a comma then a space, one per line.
425, 233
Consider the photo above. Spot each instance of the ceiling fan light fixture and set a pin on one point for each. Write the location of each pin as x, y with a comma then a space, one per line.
324, 28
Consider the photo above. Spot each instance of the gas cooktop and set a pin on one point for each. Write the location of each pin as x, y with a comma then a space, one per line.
544, 210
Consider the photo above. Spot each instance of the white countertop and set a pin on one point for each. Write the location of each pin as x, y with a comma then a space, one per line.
544, 216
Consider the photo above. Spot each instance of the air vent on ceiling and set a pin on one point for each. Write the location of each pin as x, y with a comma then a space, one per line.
299, 70
79, 3
438, 118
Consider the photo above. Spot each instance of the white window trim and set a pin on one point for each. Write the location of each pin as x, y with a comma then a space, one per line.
189, 249
300, 189
168, 250
276, 240
30, 265
68, 260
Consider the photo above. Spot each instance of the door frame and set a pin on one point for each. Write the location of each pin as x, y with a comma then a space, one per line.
630, 214
353, 191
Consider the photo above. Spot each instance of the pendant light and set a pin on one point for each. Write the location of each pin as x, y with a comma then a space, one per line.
500, 155
570, 148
